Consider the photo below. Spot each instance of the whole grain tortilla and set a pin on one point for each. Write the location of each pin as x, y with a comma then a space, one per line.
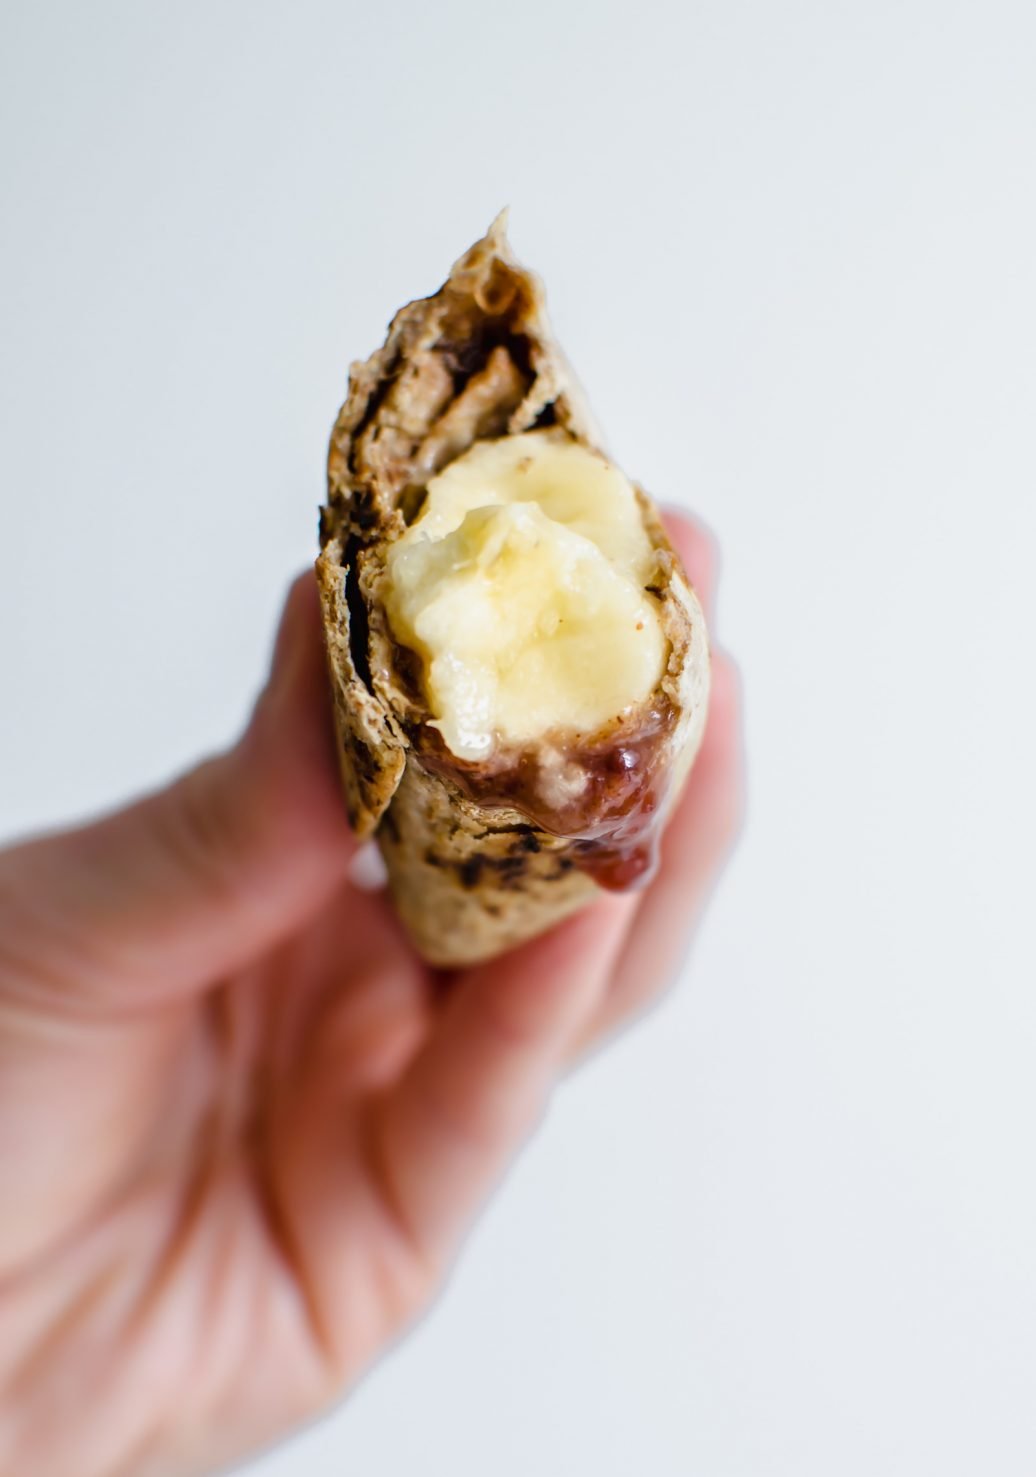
475, 360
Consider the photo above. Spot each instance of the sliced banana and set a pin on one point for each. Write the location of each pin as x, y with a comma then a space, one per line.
521, 586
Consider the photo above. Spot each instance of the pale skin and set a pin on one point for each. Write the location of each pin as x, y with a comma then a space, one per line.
243, 1130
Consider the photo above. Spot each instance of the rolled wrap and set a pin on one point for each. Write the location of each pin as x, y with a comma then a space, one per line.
471, 876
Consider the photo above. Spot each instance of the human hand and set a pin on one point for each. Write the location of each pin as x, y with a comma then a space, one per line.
242, 1128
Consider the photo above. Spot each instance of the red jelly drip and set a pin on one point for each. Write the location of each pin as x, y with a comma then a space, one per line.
612, 824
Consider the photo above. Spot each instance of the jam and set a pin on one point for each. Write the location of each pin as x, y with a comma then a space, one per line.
617, 782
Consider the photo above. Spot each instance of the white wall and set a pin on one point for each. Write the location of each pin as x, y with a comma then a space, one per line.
788, 1228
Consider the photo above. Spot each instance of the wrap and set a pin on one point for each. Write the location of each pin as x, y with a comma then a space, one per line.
482, 854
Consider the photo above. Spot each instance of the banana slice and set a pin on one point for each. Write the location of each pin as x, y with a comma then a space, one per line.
527, 563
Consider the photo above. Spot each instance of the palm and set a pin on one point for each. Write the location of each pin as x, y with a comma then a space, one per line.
246, 1163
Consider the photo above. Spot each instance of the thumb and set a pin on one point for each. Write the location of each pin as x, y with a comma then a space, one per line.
195, 880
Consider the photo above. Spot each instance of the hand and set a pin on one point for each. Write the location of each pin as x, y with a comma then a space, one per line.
242, 1128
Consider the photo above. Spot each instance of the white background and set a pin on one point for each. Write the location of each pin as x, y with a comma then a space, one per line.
788, 1227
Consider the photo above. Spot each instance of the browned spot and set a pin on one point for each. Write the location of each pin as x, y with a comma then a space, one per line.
496, 295
511, 870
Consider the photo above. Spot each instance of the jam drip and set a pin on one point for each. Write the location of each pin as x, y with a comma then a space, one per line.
615, 787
